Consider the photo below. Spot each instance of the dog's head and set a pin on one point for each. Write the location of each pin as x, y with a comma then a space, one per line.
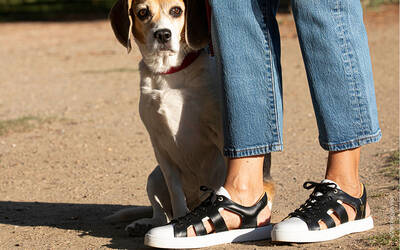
158, 27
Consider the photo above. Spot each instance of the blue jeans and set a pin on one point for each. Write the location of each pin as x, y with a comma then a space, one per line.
335, 51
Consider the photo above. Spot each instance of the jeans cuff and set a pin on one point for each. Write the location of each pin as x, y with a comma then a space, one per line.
252, 151
355, 143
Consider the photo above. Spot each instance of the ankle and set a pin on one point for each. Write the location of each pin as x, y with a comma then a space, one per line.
244, 195
342, 168
353, 188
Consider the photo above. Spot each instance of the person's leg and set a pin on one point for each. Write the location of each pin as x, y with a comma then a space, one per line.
244, 186
247, 48
246, 43
336, 55
342, 168
248, 54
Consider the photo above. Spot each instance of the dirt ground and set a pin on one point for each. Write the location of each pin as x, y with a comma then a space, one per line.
73, 148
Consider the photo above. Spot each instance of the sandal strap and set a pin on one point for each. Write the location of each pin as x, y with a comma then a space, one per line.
325, 198
218, 222
357, 203
248, 214
327, 219
210, 209
340, 211
199, 228
362, 209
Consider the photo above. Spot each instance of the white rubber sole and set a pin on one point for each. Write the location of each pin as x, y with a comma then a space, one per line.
238, 235
324, 235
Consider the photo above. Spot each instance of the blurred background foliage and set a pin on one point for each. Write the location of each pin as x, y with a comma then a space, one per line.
15, 10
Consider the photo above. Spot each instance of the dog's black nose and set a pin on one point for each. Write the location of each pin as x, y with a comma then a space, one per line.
162, 35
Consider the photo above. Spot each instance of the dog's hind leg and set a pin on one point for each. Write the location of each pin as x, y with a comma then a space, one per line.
269, 184
158, 194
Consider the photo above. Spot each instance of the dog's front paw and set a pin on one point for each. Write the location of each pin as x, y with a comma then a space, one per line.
140, 227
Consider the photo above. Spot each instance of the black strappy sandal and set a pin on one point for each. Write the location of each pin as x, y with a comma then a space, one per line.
303, 224
174, 235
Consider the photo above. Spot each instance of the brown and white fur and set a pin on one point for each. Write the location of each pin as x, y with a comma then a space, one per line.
181, 112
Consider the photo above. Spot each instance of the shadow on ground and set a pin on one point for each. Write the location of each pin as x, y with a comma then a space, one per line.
86, 219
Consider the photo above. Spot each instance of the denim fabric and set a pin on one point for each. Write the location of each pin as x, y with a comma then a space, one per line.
336, 55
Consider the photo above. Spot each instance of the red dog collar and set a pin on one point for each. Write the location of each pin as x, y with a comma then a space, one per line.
189, 59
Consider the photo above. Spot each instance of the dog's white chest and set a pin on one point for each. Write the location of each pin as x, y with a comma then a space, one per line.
160, 106
175, 106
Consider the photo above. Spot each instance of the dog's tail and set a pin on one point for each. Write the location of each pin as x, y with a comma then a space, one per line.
269, 184
130, 214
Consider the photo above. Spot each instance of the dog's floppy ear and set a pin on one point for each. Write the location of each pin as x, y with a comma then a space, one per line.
196, 28
122, 22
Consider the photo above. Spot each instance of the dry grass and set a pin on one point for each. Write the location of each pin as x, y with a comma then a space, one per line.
22, 124
385, 240
391, 168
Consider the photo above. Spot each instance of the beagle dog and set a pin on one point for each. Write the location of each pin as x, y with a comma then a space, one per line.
179, 105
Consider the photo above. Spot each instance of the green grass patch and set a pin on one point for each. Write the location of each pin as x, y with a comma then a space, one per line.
386, 240
22, 124
391, 167
377, 3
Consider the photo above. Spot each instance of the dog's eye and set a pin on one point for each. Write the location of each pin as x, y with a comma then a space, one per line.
175, 11
143, 14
